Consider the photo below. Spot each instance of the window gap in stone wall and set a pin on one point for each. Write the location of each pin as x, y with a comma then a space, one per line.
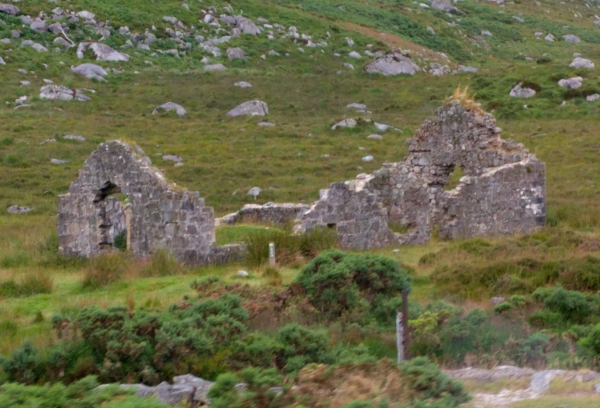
115, 215
455, 177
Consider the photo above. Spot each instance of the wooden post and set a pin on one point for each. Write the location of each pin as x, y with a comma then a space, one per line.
405, 324
272, 261
399, 337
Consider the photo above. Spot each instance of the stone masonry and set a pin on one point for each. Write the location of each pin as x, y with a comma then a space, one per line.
269, 213
502, 192
159, 215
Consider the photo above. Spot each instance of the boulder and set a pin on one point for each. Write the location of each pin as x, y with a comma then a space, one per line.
346, 123
254, 191
62, 42
571, 38
39, 47
367, 158
519, 92
172, 157
86, 15
582, 63
215, 67
571, 83
250, 108
393, 63
2, 61
62, 93
17, 209
9, 9
243, 84
357, 106
549, 38
103, 52
169, 106
55, 28
445, 6
235, 53
592, 98
354, 54
246, 26
90, 71
58, 161
486, 33
462, 68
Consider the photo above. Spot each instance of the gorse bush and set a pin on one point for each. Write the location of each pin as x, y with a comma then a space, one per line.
336, 282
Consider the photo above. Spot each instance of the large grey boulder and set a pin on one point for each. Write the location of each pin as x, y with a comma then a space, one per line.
103, 52
62, 42
201, 387
90, 71
250, 108
55, 28
85, 15
246, 26
62, 93
346, 123
169, 106
519, 92
592, 98
235, 53
17, 209
215, 67
38, 25
582, 63
571, 38
393, 63
571, 83
549, 38
445, 6
39, 47
9, 9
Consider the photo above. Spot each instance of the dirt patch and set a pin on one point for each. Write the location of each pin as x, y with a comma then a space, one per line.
397, 42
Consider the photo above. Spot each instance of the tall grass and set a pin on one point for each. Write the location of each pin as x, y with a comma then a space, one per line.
32, 283
290, 249
162, 263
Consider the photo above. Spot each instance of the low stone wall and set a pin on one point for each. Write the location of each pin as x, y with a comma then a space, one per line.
269, 213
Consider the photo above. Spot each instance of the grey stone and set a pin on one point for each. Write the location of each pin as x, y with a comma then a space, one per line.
267, 124
235, 53
431, 30
90, 71
78, 138
169, 106
350, 42
489, 376
393, 63
354, 54
274, 53
486, 33
254, 192
58, 161
62, 42
571, 38
38, 25
346, 123
62, 93
2, 62
571, 83
250, 108
519, 92
518, 19
357, 106
25, 83
39, 47
502, 192
124, 30
26, 20
86, 15
367, 158
15, 34
375, 137
158, 216
349, 66
185, 6
9, 9
103, 52
592, 98
229, 20
582, 63
172, 157
170, 19
540, 381
597, 387
55, 28
246, 26
497, 300
269, 213
462, 68
549, 38
215, 67
5, 41
17, 209
243, 84
445, 6
243, 274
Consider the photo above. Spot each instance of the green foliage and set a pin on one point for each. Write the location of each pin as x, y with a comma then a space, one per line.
301, 346
426, 380
121, 241
32, 283
82, 394
223, 393
105, 269
162, 263
336, 281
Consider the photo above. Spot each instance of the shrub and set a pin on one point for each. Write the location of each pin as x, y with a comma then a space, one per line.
105, 269
301, 346
335, 281
592, 341
572, 305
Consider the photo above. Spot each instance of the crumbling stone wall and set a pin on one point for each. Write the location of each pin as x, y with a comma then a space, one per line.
502, 192
160, 215
269, 213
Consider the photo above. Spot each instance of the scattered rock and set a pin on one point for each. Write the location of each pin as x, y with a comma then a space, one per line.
62, 42
571, 83
62, 93
215, 67
9, 9
445, 6
25, 83
431, 30
90, 71
38, 25
235, 53
393, 63
582, 63
2, 61
48, 141
172, 157
250, 108
350, 42
267, 124
103, 52
382, 127
243, 274
254, 191
349, 66
486, 33
375, 137
368, 158
39, 47
462, 68
549, 38
592, 98
357, 106
571, 38
346, 123
169, 106
497, 300
58, 161
74, 137
243, 84
86, 15
17, 209
540, 381
354, 54
519, 92
246, 26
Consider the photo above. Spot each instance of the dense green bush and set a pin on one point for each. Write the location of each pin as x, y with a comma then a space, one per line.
336, 281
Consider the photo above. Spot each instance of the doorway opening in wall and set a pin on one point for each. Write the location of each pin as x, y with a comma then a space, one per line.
114, 212
332, 226
455, 176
